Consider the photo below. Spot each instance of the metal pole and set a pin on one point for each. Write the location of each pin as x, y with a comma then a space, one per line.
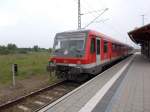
13, 75
79, 15
143, 19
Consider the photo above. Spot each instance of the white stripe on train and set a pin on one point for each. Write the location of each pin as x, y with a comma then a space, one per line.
91, 65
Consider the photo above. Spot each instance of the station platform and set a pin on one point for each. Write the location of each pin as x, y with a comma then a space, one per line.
133, 95
122, 88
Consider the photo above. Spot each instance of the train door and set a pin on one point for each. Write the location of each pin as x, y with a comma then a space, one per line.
98, 51
105, 50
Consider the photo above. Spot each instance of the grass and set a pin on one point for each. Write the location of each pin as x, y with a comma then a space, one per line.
28, 64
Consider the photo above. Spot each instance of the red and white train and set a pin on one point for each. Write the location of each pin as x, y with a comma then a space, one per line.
84, 52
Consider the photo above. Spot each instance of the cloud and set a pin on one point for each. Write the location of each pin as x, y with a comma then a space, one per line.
31, 22
7, 19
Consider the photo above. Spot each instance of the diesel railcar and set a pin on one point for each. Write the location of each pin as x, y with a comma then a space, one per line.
83, 53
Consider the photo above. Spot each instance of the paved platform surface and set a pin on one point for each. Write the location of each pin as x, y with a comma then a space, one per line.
133, 95
73, 102
129, 93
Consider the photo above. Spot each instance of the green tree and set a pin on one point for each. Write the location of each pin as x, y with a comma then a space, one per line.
12, 47
4, 50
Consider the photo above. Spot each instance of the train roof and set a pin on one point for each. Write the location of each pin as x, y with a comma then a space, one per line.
108, 38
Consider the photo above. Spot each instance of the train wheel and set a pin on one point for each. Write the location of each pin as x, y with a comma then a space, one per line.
82, 77
71, 77
60, 75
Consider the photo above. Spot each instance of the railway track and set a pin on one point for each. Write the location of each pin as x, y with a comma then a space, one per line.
37, 100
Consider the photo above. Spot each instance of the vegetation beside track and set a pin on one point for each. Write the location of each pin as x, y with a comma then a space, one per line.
29, 64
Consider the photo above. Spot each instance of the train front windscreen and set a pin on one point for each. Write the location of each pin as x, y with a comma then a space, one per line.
69, 45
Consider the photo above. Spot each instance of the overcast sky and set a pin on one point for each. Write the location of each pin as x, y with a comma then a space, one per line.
35, 22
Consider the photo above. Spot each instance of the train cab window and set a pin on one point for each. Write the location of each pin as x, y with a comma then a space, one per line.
105, 47
92, 48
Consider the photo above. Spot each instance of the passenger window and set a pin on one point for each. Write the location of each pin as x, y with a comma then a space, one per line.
98, 46
92, 49
117, 47
113, 47
105, 47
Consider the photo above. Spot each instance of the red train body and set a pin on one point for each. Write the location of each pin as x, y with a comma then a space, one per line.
82, 52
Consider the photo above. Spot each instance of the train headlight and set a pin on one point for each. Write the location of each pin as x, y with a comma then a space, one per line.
54, 61
79, 62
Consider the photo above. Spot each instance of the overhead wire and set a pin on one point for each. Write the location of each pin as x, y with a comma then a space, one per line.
108, 25
95, 12
90, 6
93, 15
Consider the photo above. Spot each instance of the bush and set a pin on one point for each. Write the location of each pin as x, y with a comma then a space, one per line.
13, 49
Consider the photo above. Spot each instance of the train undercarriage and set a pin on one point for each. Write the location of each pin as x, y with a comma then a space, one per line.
73, 73
78, 73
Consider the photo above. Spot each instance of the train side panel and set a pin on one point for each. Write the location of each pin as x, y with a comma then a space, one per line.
71, 67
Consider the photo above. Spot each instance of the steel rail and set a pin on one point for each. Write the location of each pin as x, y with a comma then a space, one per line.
20, 99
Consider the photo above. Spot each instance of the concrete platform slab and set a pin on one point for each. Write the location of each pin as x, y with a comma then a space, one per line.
133, 94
